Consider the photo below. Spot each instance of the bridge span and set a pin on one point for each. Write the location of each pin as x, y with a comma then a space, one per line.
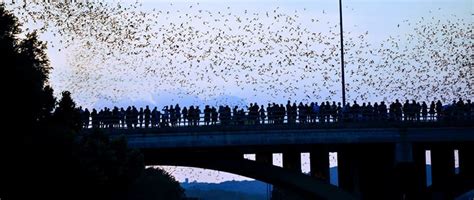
375, 161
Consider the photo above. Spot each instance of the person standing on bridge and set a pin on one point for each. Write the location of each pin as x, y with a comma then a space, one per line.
432, 111
262, 114
95, 120
147, 114
178, 113
128, 117
197, 116
172, 114
439, 110
207, 115
140, 117
185, 115
424, 111
398, 110
122, 117
155, 118
134, 117
214, 115
382, 111
165, 116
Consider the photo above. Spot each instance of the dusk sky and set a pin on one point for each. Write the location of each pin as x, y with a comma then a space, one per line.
237, 52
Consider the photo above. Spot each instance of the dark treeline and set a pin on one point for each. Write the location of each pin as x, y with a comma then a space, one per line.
324, 112
41, 155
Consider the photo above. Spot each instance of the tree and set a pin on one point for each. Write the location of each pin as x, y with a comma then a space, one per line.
155, 183
279, 193
66, 114
28, 102
42, 156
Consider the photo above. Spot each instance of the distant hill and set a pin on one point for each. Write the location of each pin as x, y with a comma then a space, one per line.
248, 190
230, 190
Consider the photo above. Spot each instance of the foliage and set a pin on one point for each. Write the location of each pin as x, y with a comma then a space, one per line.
285, 194
156, 183
43, 156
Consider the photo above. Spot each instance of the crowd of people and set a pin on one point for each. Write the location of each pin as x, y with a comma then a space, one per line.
291, 113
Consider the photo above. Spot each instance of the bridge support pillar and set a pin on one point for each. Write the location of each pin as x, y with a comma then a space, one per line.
442, 165
410, 171
348, 169
265, 157
376, 168
466, 163
367, 170
292, 160
319, 164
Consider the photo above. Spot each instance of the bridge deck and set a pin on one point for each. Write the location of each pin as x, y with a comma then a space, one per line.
298, 134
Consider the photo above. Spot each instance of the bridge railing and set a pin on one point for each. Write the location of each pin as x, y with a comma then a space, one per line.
246, 119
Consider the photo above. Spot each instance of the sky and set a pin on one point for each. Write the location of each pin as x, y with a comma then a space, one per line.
235, 52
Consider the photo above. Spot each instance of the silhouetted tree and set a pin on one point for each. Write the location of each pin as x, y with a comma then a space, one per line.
156, 184
41, 156
28, 101
107, 167
279, 193
67, 114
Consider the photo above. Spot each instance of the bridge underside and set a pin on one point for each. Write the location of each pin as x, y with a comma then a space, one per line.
293, 180
365, 171
387, 163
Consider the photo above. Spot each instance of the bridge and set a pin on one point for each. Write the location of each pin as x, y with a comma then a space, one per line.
376, 159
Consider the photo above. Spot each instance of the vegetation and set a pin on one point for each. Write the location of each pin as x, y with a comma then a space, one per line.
42, 154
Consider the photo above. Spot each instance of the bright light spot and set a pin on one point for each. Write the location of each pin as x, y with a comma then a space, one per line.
278, 159
249, 156
332, 159
333, 163
456, 161
428, 157
194, 174
305, 163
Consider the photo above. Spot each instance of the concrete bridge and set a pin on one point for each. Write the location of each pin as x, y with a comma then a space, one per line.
375, 161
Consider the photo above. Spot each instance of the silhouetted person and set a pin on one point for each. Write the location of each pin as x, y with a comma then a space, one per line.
322, 112
85, 115
128, 117
234, 117
262, 114
314, 112
207, 115
439, 110
140, 117
432, 111
165, 116
134, 117
185, 115
397, 107
214, 115
197, 116
147, 116
424, 111
356, 111
406, 110
155, 117
95, 118
382, 111
172, 114
178, 113
122, 117
301, 113
339, 112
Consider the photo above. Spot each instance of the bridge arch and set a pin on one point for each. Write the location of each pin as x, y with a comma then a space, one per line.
292, 180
